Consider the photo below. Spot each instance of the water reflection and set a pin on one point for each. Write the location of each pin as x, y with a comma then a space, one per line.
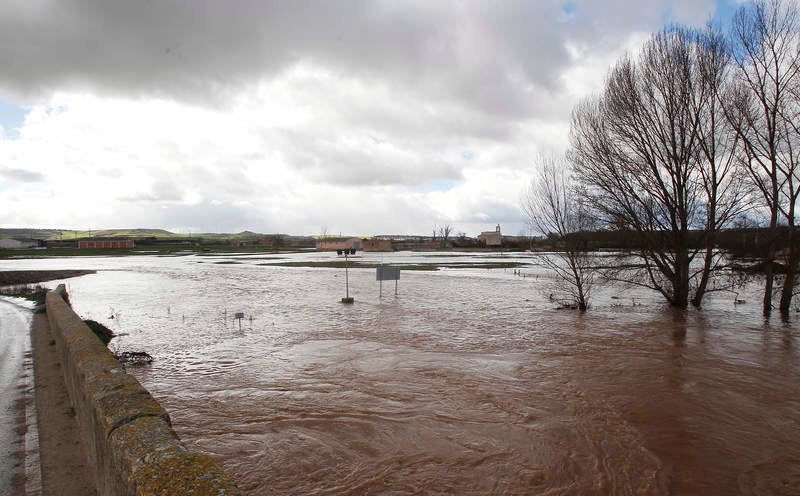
467, 382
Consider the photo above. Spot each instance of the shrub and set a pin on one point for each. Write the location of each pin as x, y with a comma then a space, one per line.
104, 333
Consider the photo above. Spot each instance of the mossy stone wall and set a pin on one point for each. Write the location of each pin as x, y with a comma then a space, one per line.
131, 445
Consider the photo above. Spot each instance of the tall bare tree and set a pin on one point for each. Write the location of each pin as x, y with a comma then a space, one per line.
764, 111
444, 232
726, 190
654, 155
553, 207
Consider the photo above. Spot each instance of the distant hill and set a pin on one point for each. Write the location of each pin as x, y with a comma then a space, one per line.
69, 234
132, 233
22, 234
66, 234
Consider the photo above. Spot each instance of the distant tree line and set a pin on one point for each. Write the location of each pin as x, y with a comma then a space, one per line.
742, 244
689, 135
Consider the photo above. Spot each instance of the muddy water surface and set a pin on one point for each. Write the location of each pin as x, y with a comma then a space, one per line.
467, 382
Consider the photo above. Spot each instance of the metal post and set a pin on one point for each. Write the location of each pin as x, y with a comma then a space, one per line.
347, 298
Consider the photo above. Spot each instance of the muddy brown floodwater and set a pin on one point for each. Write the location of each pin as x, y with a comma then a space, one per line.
467, 382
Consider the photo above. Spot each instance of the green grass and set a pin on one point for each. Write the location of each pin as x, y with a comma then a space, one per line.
172, 249
160, 234
422, 266
62, 252
343, 264
35, 293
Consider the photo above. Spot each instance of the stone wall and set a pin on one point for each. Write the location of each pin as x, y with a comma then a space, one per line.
130, 442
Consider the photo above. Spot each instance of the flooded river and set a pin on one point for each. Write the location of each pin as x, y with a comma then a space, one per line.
468, 381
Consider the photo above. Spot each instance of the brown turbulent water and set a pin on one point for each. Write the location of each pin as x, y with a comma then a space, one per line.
467, 382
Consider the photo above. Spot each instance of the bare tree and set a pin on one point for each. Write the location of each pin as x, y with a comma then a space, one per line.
725, 187
443, 233
552, 207
764, 109
655, 159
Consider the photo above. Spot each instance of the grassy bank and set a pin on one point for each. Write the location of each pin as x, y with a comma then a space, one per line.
419, 266
175, 249
23, 277
34, 293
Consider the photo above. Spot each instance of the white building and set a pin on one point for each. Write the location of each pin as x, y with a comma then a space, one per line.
491, 238
13, 244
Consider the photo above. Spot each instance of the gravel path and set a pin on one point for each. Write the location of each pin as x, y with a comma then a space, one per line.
65, 471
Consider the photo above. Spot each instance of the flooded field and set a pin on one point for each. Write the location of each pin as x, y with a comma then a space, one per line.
468, 381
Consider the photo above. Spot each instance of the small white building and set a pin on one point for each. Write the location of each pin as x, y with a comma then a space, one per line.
491, 238
13, 244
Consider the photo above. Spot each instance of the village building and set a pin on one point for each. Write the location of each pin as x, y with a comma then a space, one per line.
336, 244
491, 238
375, 244
105, 243
56, 243
358, 244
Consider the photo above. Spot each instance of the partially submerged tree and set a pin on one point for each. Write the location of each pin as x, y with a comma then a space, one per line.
726, 191
553, 207
655, 157
764, 110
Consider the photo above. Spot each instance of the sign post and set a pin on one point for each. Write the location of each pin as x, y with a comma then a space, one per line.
387, 273
347, 298
239, 316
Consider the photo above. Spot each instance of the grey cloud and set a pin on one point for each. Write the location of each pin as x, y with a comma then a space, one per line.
480, 211
494, 211
329, 158
21, 175
170, 182
486, 55
420, 80
162, 190
185, 49
211, 216
110, 172
604, 25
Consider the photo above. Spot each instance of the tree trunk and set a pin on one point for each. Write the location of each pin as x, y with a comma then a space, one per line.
787, 291
582, 300
700, 292
680, 281
769, 277
769, 272
788, 288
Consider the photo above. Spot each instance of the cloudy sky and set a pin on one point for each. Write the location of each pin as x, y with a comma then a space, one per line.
298, 116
